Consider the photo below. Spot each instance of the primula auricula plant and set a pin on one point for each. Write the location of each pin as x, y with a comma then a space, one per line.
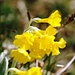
35, 43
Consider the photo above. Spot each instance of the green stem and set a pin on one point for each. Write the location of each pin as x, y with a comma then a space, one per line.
12, 66
28, 65
29, 23
49, 63
13, 63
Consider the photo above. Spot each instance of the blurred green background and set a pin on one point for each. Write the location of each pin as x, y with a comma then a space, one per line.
14, 18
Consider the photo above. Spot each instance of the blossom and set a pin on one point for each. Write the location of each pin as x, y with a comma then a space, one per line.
19, 72
26, 40
20, 55
46, 42
60, 44
31, 71
34, 71
37, 54
35, 51
54, 19
54, 48
50, 30
38, 42
41, 43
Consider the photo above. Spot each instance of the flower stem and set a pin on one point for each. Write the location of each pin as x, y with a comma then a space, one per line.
29, 23
13, 63
12, 66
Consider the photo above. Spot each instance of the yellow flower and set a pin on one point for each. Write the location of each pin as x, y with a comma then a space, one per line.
37, 54
50, 30
44, 38
55, 50
42, 45
43, 41
20, 55
48, 51
26, 40
35, 51
46, 42
31, 71
34, 71
61, 43
54, 19
38, 43
19, 72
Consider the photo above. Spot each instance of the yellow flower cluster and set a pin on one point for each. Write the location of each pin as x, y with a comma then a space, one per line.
31, 71
38, 43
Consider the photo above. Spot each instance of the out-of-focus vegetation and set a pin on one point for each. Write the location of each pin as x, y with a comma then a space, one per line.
14, 18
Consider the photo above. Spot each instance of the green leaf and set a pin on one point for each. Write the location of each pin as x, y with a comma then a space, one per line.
3, 66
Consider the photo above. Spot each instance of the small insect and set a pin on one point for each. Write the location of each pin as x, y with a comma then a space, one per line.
11, 30
70, 19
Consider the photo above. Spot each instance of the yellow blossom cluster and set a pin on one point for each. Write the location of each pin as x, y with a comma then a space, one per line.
38, 43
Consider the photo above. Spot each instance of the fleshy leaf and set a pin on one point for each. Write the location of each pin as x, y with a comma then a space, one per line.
3, 66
